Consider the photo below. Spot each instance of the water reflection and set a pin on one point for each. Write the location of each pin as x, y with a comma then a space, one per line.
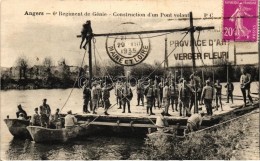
93, 148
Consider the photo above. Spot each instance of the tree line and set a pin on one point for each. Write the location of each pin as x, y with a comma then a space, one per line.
23, 75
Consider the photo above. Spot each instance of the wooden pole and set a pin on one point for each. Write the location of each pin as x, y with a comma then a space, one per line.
165, 58
90, 58
192, 30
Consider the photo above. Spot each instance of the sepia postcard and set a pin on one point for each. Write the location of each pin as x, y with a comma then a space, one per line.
129, 80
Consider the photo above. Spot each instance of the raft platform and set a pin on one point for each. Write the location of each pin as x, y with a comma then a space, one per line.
138, 122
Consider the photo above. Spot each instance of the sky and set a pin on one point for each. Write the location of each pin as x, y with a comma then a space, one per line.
48, 35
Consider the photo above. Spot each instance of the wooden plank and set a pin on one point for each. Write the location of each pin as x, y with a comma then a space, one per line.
126, 124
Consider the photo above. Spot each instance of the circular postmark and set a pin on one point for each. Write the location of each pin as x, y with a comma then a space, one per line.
127, 50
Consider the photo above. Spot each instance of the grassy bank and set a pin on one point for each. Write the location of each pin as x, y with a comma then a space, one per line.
214, 144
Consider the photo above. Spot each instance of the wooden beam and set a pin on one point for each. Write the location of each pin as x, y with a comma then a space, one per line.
152, 31
126, 124
246, 53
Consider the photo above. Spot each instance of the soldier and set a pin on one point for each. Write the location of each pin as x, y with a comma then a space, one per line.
166, 98
194, 122
161, 85
105, 97
245, 81
99, 91
149, 94
127, 96
45, 112
21, 110
36, 120
157, 96
207, 96
86, 97
140, 92
118, 93
184, 97
218, 87
86, 33
230, 89
173, 96
94, 97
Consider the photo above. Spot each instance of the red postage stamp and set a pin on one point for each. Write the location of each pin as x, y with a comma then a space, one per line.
240, 20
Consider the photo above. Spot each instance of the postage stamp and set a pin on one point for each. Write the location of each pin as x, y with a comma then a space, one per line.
240, 20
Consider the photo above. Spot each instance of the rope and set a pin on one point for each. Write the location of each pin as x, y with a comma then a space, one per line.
74, 82
168, 55
143, 37
205, 65
91, 122
94, 42
152, 121
228, 121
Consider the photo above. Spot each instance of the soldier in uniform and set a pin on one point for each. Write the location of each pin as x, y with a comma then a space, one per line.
140, 92
166, 98
149, 94
245, 81
118, 93
161, 85
86, 97
173, 96
230, 89
184, 97
218, 88
207, 96
157, 94
105, 97
45, 112
86, 34
127, 96
94, 97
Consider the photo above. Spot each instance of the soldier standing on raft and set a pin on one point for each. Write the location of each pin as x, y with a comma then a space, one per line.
184, 97
207, 96
149, 94
86, 97
140, 93
173, 96
105, 97
230, 89
86, 33
118, 93
94, 97
245, 81
166, 99
218, 87
157, 92
127, 96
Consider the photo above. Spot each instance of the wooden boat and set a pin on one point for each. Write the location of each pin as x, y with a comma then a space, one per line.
18, 128
41, 134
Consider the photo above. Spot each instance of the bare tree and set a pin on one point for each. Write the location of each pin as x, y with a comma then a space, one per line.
47, 62
23, 63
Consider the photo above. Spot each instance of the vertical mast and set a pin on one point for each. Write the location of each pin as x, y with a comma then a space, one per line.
90, 57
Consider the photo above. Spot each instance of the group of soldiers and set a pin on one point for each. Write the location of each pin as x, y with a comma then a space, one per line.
166, 93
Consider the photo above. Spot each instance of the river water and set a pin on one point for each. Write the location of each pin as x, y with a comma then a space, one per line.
89, 148
99, 147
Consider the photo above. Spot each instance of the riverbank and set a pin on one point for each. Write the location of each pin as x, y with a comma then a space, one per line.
226, 142
248, 147
29, 84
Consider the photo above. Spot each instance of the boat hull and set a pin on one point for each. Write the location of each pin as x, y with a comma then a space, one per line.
41, 134
18, 128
